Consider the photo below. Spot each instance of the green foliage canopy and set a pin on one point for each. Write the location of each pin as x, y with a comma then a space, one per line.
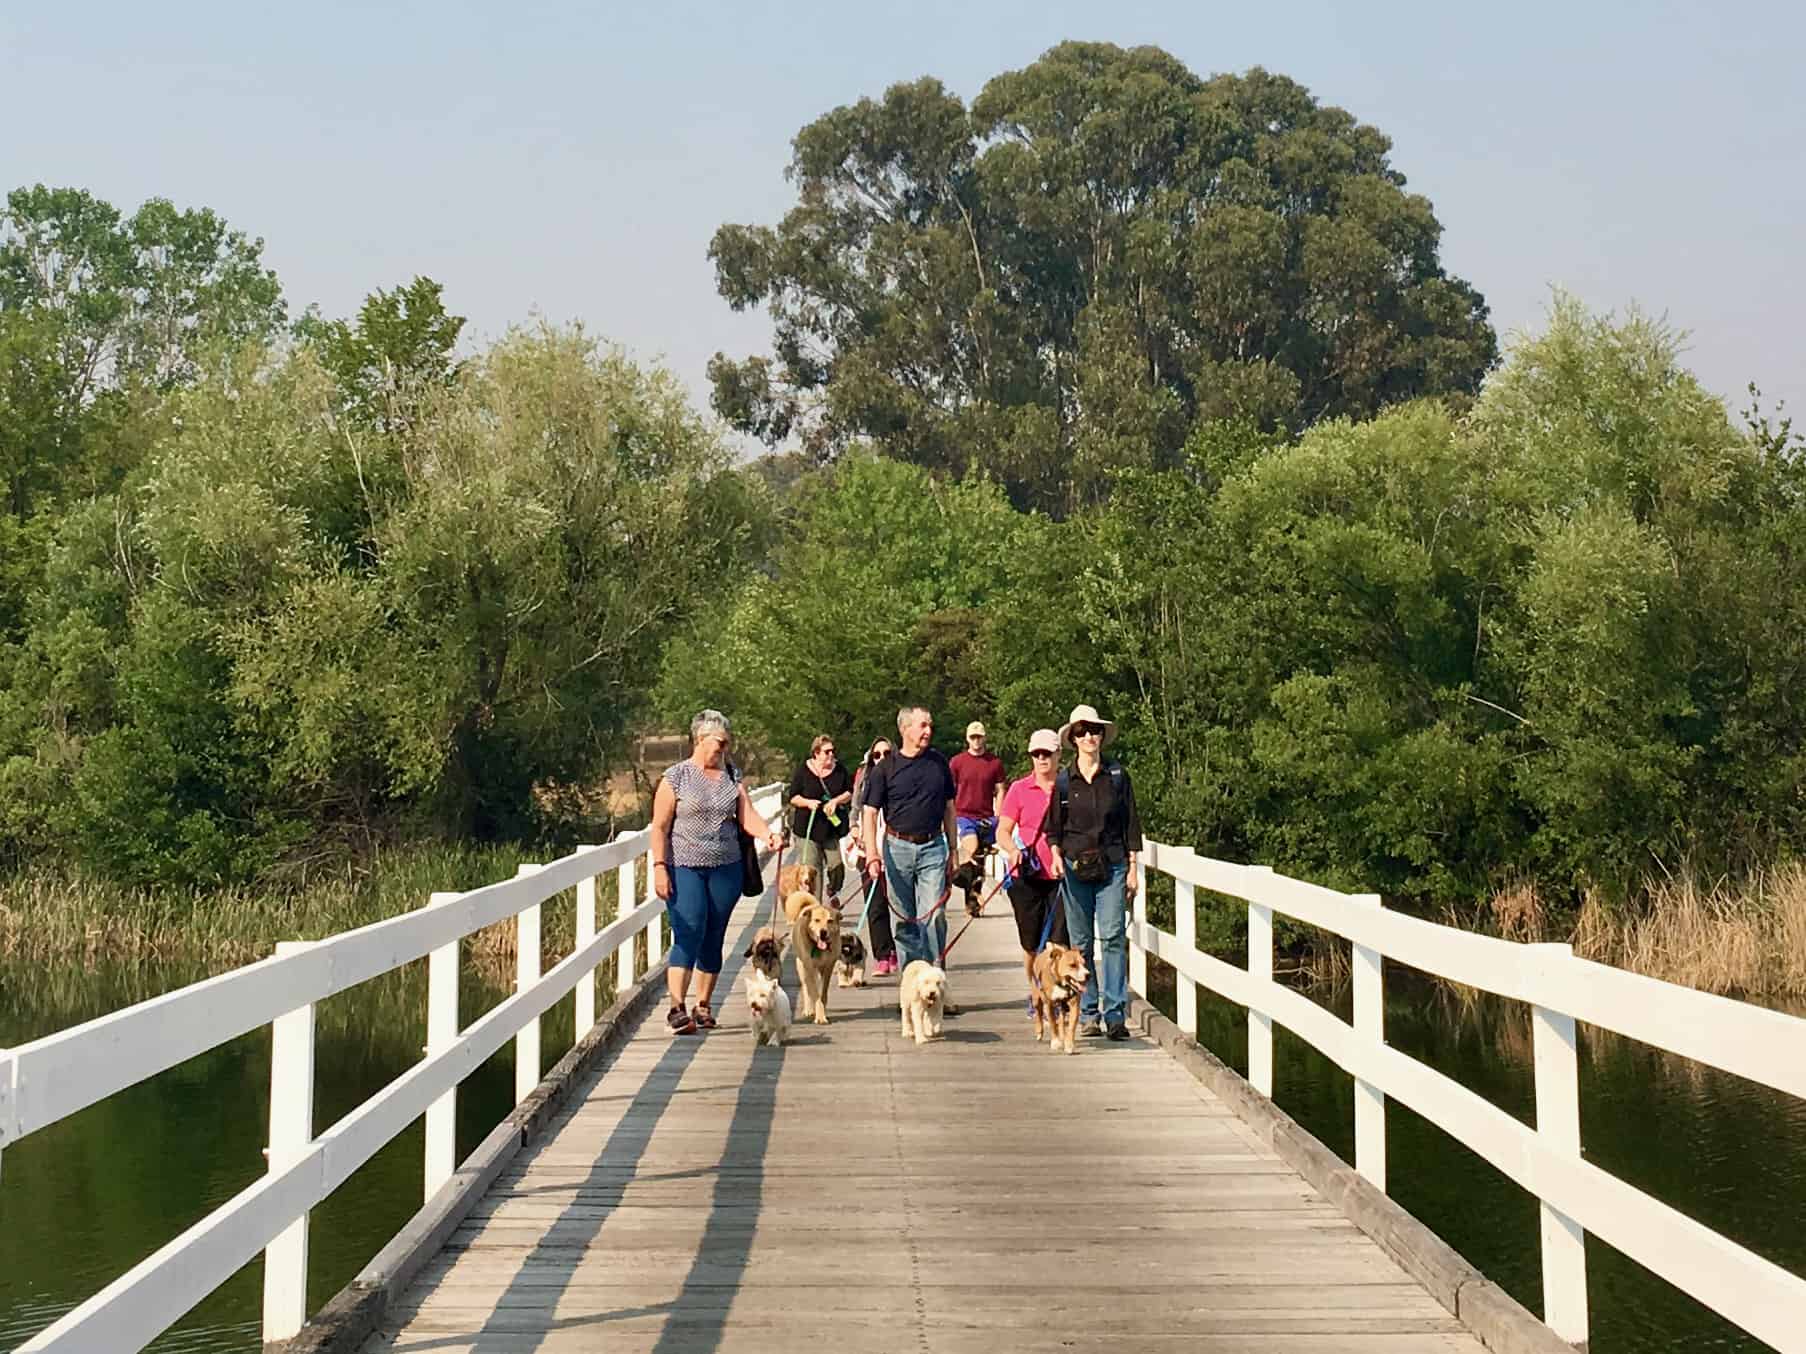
1058, 283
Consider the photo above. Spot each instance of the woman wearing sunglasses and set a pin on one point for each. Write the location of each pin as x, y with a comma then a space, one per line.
1034, 892
884, 942
1095, 832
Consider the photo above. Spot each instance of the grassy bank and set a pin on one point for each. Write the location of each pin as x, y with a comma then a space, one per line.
66, 916
1742, 938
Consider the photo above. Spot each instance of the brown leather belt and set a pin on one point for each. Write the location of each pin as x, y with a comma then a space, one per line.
901, 836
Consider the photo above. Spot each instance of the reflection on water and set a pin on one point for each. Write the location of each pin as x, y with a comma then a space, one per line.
84, 1200
1720, 1149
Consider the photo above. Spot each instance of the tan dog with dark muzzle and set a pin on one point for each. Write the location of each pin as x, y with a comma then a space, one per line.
1060, 978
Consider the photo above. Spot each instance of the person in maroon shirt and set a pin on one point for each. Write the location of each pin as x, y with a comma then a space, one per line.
978, 794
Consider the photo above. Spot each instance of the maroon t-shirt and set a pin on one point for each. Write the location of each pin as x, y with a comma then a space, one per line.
975, 782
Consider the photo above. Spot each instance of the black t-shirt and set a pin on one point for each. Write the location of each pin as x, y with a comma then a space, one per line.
811, 786
911, 792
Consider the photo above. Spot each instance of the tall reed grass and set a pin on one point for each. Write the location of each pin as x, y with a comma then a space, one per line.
1744, 938
52, 916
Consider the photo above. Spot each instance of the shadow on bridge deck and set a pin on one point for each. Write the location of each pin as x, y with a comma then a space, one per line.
859, 1193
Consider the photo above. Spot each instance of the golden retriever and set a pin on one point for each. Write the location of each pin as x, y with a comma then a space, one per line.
794, 877
767, 952
922, 998
769, 1006
1060, 978
815, 942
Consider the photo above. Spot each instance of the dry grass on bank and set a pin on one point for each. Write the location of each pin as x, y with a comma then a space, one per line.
1746, 939
59, 916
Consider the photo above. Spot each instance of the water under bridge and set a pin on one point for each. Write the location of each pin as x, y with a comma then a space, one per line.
854, 1189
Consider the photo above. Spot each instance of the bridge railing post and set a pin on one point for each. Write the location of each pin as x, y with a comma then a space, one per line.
9, 1068
441, 1033
291, 1131
626, 899
586, 932
1138, 955
1558, 1124
1369, 1024
655, 929
1260, 968
1185, 928
526, 973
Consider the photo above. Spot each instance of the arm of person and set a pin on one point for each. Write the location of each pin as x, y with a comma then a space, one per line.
997, 798
868, 833
664, 810
950, 822
1131, 831
1053, 828
1006, 838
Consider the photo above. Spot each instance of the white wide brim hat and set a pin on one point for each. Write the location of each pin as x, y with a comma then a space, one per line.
1085, 714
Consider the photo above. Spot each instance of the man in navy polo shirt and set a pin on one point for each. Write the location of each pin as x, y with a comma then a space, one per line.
914, 791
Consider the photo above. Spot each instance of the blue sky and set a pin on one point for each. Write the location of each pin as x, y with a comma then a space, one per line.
572, 160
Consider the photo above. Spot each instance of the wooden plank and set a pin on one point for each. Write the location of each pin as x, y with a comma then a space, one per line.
705, 1195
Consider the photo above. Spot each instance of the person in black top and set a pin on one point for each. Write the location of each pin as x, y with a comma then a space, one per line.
1095, 832
820, 791
914, 791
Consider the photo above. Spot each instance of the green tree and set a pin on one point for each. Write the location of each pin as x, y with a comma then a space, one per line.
1058, 282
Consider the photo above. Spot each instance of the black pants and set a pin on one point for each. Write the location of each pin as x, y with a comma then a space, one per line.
1031, 899
884, 942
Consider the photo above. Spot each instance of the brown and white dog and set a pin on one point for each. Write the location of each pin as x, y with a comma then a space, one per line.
922, 999
1060, 978
767, 952
815, 942
769, 1007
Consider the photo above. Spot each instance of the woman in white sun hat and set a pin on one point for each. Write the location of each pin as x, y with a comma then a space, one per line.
1094, 831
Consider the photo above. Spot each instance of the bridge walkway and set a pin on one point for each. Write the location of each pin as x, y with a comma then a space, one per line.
853, 1192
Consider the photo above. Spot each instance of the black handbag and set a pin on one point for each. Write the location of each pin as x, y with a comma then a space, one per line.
752, 877
1090, 867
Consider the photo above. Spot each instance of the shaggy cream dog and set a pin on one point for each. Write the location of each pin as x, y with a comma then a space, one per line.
768, 1006
922, 998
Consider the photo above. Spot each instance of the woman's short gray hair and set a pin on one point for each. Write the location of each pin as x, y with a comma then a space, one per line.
709, 722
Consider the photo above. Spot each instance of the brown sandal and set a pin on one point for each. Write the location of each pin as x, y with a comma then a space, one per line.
703, 1016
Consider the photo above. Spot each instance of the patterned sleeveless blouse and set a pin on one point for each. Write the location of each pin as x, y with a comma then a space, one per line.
702, 830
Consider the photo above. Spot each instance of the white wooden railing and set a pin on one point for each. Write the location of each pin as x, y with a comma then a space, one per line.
1576, 1196
54, 1077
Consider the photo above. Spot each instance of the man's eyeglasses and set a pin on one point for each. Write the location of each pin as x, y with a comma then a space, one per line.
1040, 753
1087, 730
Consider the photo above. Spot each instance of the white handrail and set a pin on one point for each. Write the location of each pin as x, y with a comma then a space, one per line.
63, 1073
1764, 1046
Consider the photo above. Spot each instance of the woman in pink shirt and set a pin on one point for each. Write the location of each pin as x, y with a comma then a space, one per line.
1033, 893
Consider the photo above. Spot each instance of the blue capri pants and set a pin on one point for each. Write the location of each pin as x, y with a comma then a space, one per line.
702, 901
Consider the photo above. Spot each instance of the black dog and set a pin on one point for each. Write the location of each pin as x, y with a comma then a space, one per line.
850, 971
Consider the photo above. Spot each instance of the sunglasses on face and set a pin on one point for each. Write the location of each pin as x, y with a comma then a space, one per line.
1087, 731
1039, 753
880, 756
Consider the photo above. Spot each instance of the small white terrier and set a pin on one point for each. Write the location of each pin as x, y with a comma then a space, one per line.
922, 1000
769, 1006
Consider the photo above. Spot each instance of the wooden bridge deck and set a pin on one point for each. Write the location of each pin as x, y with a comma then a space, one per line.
853, 1192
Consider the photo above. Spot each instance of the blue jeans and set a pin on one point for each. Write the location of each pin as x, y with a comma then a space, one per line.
916, 875
701, 903
1102, 908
